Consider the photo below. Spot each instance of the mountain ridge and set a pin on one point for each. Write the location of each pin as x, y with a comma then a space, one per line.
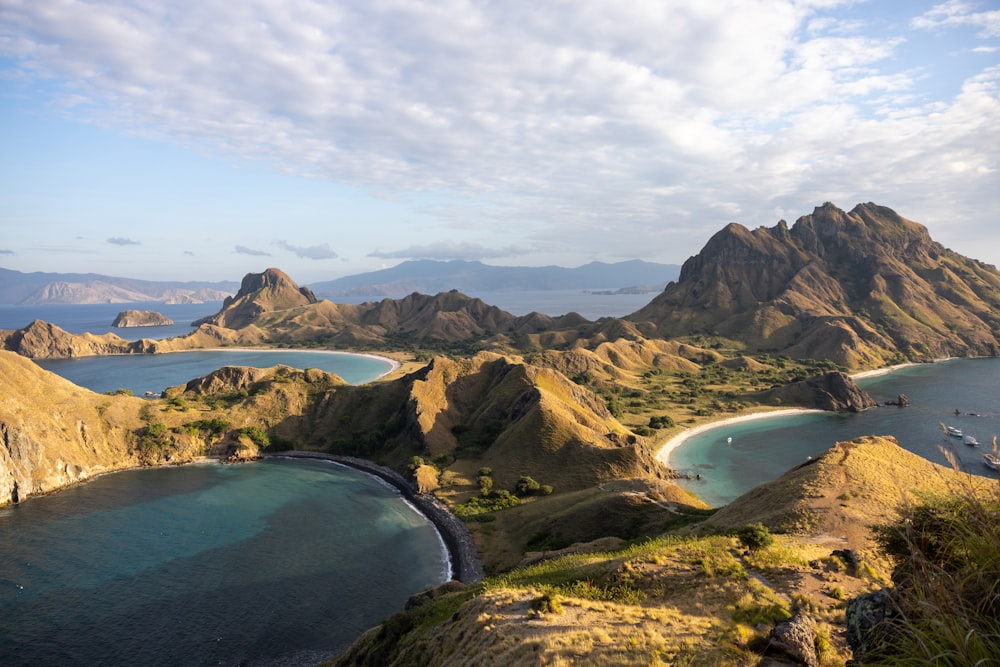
863, 288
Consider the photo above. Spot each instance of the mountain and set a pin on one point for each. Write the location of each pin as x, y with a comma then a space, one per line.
431, 277
52, 288
862, 288
273, 302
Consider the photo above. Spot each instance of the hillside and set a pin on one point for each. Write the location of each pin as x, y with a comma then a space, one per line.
862, 288
431, 277
693, 595
51, 288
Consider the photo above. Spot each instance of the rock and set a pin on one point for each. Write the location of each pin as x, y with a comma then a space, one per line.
833, 391
141, 318
864, 616
794, 640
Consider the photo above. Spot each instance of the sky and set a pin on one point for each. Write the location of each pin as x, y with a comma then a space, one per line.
205, 139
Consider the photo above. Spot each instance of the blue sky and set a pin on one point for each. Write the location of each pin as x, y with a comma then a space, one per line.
204, 139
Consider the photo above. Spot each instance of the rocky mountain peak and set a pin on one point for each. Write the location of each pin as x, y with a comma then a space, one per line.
859, 287
273, 280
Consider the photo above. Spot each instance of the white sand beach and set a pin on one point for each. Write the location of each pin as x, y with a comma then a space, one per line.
663, 455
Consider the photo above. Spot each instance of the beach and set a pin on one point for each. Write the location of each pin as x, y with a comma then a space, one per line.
663, 454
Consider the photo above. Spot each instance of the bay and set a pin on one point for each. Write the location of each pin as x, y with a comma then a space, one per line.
732, 459
273, 562
141, 373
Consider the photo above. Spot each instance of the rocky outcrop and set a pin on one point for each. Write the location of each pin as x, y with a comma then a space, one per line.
141, 318
833, 391
859, 288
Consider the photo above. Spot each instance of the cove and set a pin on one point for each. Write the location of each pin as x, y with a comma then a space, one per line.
140, 373
278, 561
734, 458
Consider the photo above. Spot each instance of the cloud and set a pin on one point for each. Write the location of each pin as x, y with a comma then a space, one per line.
448, 251
243, 250
4, 251
119, 240
321, 251
586, 125
958, 13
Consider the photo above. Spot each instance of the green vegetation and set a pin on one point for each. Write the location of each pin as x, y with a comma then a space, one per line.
257, 435
755, 536
947, 595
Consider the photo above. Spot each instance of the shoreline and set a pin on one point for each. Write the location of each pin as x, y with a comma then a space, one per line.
394, 364
663, 454
463, 556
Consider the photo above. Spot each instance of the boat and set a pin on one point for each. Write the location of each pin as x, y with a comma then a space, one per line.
970, 440
954, 432
991, 461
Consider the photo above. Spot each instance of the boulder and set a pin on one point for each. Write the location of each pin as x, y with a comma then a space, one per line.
794, 641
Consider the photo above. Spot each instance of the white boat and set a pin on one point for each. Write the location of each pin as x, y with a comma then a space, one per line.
954, 432
970, 440
991, 461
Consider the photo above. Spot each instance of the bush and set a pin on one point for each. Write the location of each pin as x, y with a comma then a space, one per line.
661, 421
258, 435
755, 536
526, 486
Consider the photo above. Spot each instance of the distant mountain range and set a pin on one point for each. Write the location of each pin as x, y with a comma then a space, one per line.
63, 288
424, 276
432, 277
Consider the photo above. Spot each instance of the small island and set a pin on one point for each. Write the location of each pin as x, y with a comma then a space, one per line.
141, 318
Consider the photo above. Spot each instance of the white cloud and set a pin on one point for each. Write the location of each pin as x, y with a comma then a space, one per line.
603, 125
958, 13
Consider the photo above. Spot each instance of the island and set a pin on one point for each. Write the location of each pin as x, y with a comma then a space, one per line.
141, 318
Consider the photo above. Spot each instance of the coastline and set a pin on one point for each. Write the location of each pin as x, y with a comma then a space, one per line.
466, 565
663, 455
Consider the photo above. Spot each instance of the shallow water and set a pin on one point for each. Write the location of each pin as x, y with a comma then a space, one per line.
760, 451
208, 564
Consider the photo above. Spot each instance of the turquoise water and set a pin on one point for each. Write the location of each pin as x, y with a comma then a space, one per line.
155, 372
762, 450
209, 564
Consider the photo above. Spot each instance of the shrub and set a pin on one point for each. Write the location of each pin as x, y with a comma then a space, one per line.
661, 421
755, 536
549, 603
256, 434
526, 486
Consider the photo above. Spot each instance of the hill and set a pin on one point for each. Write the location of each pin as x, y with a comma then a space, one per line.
431, 277
862, 288
51, 288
